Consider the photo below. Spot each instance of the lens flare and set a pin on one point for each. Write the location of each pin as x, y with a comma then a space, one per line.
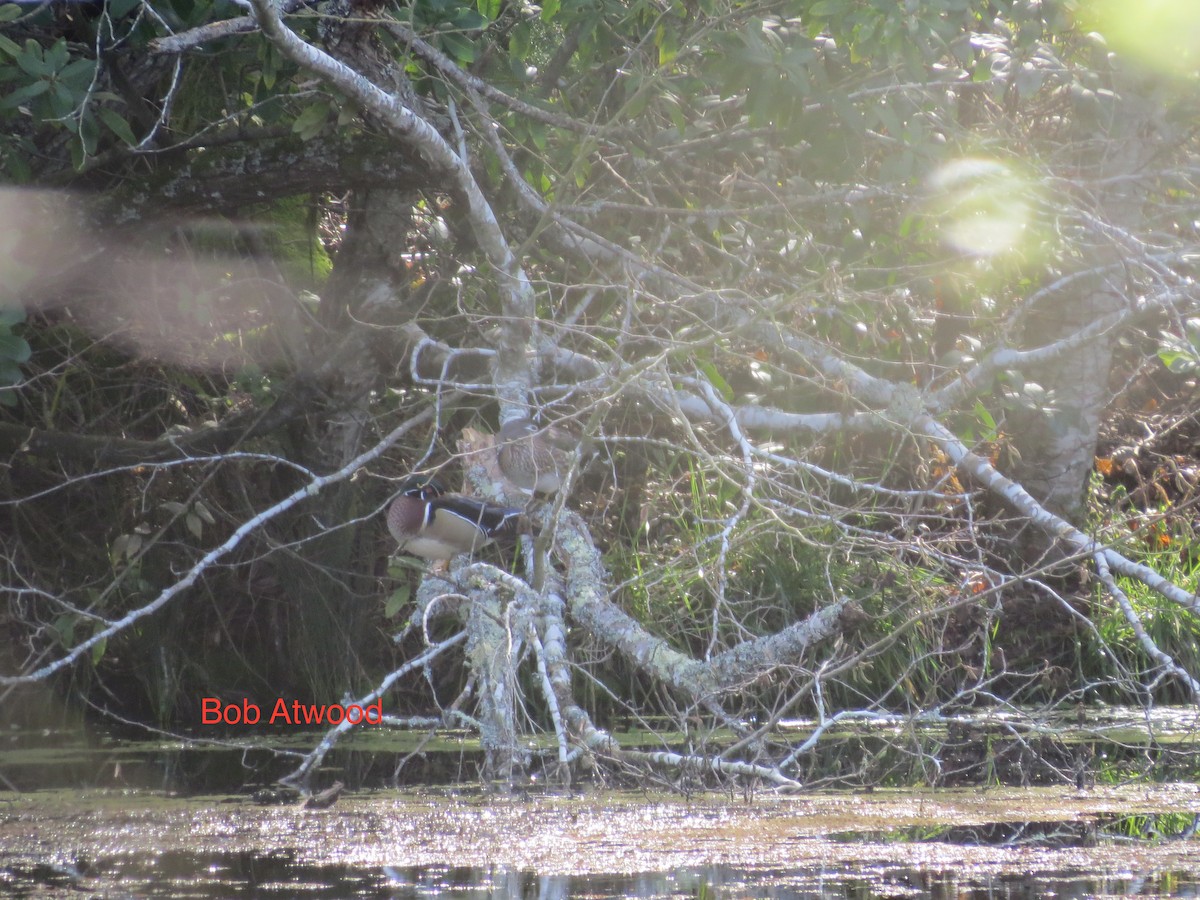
1163, 35
982, 206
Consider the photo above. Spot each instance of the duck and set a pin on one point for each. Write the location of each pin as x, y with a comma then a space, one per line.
326, 798
429, 522
536, 458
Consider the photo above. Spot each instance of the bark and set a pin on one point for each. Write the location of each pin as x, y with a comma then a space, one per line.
493, 650
388, 100
1057, 446
418, 136
281, 164
368, 282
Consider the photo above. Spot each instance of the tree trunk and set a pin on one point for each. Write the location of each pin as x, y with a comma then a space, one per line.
1057, 445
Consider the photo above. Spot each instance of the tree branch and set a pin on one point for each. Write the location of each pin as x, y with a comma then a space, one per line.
423, 140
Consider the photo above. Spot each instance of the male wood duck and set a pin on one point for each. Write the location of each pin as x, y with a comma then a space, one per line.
536, 458
433, 524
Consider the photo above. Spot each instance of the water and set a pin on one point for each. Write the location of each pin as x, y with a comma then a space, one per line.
92, 816
281, 875
454, 843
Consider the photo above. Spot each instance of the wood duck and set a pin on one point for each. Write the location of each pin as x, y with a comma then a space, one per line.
326, 798
433, 524
536, 458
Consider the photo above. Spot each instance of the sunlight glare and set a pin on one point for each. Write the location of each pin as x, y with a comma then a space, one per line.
1161, 34
982, 206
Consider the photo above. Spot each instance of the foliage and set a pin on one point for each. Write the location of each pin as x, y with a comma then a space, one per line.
1181, 354
763, 252
14, 350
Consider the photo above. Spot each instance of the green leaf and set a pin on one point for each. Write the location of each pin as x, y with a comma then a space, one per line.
550, 9
489, 9
8, 12
78, 157
57, 56
23, 93
98, 649
459, 47
396, 601
204, 513
1178, 361
15, 348
537, 133
125, 546
31, 62
10, 373
583, 171
62, 102
989, 423
716, 379
469, 20
64, 626
7, 45
79, 72
312, 120
520, 41
117, 125
270, 65
667, 41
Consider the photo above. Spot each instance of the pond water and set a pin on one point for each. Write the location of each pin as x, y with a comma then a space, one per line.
82, 816
280, 876
935, 843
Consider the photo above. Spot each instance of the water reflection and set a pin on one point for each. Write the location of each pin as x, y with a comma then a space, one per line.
164, 819
282, 875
